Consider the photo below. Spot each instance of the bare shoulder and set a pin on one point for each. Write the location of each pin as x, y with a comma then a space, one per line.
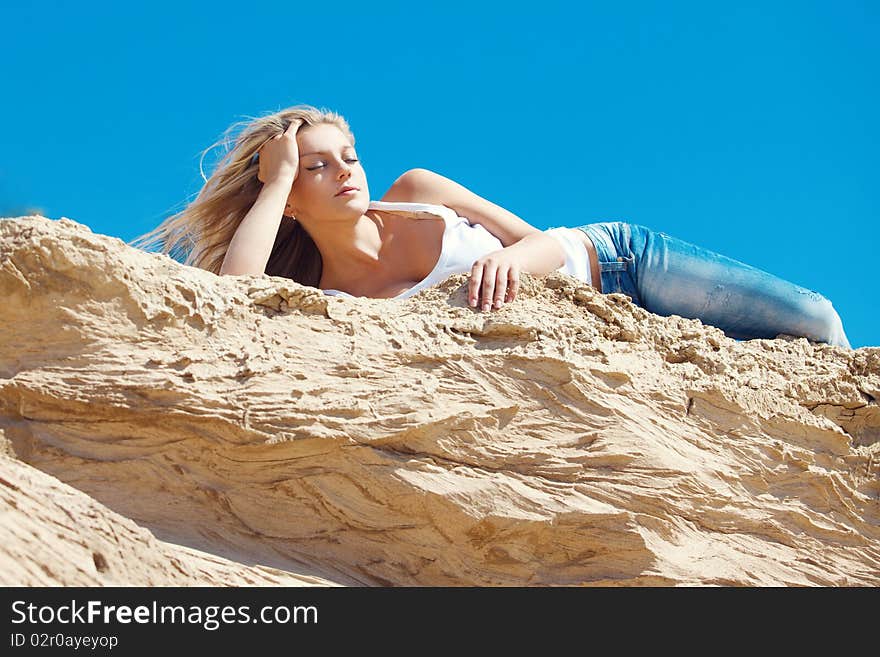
403, 190
406, 190
425, 186
420, 186
418, 242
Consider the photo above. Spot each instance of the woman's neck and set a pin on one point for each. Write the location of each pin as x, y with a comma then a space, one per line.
360, 255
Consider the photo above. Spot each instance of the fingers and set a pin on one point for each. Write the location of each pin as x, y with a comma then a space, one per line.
500, 286
291, 129
474, 285
489, 273
512, 284
492, 285
272, 156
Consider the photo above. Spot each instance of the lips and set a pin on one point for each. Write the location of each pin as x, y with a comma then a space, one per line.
345, 189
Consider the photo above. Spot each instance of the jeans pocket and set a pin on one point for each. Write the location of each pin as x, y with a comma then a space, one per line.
626, 277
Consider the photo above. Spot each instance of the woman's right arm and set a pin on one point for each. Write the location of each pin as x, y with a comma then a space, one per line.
249, 250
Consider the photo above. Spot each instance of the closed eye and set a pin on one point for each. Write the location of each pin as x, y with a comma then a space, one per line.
321, 165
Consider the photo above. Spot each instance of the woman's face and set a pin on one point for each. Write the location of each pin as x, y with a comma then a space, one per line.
327, 163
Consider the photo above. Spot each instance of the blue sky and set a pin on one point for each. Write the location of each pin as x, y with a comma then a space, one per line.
749, 128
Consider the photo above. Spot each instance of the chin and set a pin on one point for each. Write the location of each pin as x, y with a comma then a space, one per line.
362, 202
354, 208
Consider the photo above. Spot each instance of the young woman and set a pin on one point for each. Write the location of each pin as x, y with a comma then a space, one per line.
291, 199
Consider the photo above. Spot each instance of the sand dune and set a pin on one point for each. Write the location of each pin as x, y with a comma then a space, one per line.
166, 426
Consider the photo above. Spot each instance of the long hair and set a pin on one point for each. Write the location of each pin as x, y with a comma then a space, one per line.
199, 235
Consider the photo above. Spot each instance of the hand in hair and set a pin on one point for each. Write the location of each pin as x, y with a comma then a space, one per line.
279, 157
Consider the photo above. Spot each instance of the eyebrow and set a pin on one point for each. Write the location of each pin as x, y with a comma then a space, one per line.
326, 152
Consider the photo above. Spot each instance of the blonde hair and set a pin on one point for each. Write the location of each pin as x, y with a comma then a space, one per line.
200, 234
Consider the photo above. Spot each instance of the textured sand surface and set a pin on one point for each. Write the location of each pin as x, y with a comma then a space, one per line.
190, 428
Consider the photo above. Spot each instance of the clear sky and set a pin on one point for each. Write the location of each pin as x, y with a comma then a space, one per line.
747, 127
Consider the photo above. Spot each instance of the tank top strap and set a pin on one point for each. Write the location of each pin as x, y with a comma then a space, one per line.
418, 210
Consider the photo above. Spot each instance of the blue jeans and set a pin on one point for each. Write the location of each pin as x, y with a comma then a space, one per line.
668, 276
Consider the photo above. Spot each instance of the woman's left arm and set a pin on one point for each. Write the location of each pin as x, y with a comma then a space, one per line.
495, 276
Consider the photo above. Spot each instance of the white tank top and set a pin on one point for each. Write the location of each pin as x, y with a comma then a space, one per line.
464, 243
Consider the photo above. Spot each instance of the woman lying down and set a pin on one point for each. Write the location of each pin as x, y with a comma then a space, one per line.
291, 199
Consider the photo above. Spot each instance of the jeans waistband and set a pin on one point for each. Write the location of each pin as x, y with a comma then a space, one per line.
610, 258
616, 260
